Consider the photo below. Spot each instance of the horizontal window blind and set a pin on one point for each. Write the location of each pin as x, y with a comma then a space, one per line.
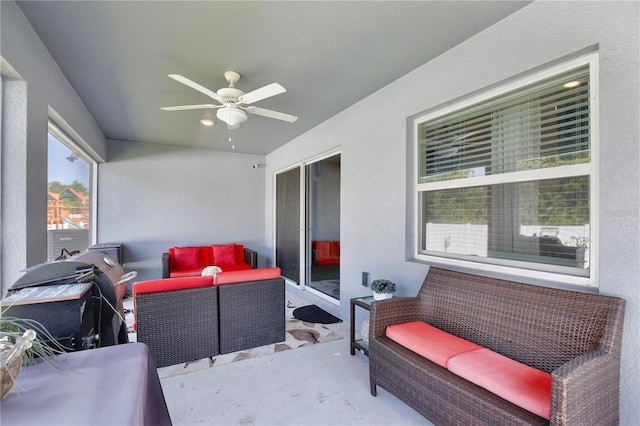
541, 125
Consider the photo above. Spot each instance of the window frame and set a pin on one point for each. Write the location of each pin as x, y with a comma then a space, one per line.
591, 169
62, 137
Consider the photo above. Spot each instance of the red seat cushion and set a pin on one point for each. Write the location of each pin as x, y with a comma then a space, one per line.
524, 386
224, 254
179, 273
235, 267
153, 286
229, 277
430, 342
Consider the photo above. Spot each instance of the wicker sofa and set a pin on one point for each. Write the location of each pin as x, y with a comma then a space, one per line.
326, 252
190, 318
190, 261
576, 337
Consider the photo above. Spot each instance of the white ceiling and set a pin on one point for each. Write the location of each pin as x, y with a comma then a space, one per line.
327, 54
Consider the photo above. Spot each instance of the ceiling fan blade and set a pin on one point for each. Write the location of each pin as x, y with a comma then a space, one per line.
272, 114
187, 107
261, 93
196, 86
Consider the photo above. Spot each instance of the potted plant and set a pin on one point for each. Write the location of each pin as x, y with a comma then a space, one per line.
22, 341
382, 289
581, 245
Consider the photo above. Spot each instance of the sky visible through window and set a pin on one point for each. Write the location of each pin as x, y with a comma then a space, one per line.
62, 170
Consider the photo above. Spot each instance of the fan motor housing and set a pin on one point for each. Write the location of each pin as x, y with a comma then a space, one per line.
229, 94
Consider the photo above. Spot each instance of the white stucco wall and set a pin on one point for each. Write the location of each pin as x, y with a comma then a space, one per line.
372, 135
153, 197
45, 93
190, 196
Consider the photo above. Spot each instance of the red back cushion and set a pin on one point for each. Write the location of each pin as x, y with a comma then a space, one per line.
206, 256
335, 249
239, 253
186, 257
224, 254
323, 249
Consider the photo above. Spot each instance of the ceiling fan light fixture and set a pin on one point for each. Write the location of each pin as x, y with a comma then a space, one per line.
232, 116
233, 104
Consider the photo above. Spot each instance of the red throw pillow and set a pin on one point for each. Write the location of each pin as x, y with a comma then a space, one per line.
224, 254
186, 257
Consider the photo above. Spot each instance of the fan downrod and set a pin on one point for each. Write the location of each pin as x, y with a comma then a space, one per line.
232, 77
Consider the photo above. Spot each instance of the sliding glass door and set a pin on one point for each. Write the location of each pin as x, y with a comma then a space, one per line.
307, 226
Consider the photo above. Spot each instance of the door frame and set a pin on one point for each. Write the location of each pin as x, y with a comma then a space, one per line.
305, 244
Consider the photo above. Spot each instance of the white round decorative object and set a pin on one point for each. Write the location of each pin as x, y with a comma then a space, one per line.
382, 296
364, 331
210, 270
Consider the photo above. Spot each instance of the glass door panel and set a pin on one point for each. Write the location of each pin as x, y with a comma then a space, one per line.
323, 226
288, 224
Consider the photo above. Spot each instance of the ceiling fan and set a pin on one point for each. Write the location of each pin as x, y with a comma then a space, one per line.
234, 102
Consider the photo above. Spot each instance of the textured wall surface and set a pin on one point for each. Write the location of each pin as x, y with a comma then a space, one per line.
151, 198
14, 189
376, 168
46, 94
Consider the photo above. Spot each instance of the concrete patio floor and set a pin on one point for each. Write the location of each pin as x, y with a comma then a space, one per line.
320, 384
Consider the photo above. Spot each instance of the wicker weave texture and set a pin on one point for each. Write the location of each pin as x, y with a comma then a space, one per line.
441, 397
252, 314
179, 326
574, 336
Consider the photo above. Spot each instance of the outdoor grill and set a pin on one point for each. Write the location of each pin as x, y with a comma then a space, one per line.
78, 299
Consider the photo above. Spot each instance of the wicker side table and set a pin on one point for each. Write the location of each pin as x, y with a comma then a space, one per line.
364, 303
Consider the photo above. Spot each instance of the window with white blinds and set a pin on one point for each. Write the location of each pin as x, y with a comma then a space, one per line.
507, 178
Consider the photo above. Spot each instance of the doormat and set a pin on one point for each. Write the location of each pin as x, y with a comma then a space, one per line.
315, 314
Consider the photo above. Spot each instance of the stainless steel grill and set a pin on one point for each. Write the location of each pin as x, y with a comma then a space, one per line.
103, 326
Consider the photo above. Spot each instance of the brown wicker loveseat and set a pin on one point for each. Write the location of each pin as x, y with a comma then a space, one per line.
576, 337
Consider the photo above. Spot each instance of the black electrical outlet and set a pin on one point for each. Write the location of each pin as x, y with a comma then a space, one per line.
365, 279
